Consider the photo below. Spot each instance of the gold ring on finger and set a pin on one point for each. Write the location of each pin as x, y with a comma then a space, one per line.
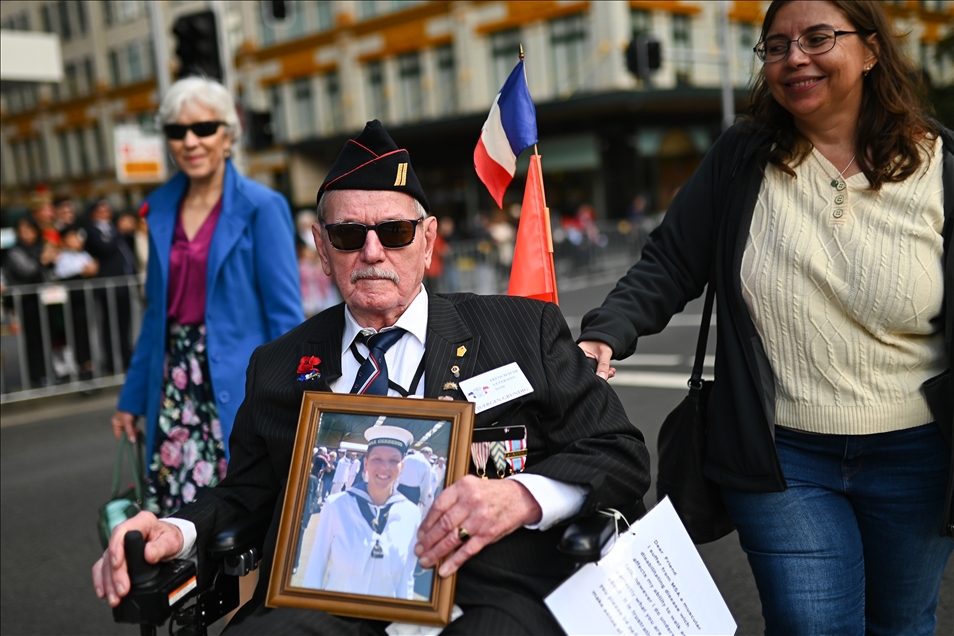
463, 535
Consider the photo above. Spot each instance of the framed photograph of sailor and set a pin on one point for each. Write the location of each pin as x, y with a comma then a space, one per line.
364, 473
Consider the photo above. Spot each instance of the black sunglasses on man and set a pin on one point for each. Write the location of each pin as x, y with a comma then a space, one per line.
350, 236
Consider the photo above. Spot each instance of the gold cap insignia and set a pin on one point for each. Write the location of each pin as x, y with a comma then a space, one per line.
401, 178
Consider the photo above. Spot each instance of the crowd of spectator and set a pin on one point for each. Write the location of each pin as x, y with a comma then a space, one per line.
53, 243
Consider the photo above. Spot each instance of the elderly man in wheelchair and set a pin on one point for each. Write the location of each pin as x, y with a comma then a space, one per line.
391, 336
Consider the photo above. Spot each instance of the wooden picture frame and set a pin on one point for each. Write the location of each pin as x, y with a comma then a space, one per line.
331, 551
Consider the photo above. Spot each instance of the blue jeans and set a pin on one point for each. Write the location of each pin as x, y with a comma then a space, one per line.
853, 546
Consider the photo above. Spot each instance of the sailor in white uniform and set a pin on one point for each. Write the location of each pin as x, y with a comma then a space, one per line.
366, 535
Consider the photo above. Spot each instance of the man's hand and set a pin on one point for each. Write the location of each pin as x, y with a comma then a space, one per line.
124, 422
163, 541
489, 509
601, 352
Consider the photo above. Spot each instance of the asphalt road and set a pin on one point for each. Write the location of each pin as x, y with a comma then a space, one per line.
56, 464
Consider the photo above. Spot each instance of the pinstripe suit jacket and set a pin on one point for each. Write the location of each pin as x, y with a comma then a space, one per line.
577, 429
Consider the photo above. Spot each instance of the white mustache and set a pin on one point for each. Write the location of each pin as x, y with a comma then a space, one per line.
374, 271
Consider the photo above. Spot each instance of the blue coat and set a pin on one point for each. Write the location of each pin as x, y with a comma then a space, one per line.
253, 294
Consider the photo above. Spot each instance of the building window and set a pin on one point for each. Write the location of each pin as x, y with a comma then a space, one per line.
63, 9
377, 100
127, 10
100, 145
107, 12
72, 83
409, 86
134, 54
46, 15
367, 9
682, 48
746, 37
304, 106
65, 155
84, 159
324, 20
446, 80
115, 76
568, 39
333, 95
641, 21
81, 16
90, 75
504, 54
32, 161
278, 112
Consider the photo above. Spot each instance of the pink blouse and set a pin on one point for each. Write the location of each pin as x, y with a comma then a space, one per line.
188, 265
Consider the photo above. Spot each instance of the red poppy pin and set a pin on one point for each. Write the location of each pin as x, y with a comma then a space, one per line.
308, 368
143, 209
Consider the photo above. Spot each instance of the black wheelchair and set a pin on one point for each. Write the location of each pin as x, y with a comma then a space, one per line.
170, 590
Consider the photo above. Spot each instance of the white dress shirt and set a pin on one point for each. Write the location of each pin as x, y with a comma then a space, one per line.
557, 500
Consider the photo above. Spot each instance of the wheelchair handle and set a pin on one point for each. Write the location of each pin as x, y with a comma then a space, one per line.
140, 572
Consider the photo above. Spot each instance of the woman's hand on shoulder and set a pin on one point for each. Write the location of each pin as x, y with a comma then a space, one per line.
601, 353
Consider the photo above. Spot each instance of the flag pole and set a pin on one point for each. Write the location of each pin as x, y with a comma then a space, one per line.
543, 195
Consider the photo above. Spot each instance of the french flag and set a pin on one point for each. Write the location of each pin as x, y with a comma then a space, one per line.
510, 127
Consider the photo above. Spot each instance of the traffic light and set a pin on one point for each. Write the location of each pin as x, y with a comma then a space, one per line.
643, 55
279, 10
197, 46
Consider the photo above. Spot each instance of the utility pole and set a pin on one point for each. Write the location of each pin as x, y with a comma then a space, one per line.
728, 100
160, 45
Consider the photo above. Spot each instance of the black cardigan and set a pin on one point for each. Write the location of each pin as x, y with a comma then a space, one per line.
718, 201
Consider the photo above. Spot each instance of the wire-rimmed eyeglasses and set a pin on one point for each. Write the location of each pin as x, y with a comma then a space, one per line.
815, 42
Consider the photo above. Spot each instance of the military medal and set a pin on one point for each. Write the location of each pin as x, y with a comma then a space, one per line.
480, 453
506, 445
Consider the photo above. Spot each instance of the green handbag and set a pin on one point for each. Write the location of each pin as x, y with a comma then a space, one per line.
125, 505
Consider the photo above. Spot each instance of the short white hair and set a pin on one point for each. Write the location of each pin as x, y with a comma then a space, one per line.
328, 194
204, 91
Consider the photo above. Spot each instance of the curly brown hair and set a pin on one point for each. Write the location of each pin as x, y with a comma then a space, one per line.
894, 118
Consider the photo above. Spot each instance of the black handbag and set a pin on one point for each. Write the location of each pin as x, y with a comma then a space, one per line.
682, 453
127, 504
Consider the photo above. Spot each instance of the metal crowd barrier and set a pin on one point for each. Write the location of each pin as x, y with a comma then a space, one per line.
482, 267
39, 334
48, 327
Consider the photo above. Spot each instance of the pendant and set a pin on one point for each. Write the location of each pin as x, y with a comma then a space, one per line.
376, 551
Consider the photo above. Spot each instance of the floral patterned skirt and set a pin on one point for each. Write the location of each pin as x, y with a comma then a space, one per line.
189, 454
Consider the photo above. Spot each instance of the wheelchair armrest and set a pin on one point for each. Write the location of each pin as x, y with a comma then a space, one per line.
241, 535
589, 539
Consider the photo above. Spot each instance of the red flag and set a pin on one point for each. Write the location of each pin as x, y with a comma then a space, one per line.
532, 274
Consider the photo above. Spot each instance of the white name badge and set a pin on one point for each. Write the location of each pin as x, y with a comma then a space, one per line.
500, 385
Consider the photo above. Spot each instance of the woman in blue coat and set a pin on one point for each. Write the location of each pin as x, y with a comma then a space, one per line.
222, 279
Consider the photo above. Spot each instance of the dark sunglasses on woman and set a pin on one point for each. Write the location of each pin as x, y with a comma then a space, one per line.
350, 237
201, 129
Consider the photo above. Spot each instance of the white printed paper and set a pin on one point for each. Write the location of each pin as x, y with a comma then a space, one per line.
495, 387
653, 581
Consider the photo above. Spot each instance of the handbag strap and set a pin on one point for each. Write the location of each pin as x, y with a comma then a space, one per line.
695, 380
135, 462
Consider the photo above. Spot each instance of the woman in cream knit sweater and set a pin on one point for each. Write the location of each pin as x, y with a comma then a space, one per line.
825, 219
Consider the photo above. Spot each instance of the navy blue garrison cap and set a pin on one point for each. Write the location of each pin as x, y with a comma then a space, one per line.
372, 161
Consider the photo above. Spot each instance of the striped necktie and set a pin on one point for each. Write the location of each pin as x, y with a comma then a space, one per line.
372, 378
